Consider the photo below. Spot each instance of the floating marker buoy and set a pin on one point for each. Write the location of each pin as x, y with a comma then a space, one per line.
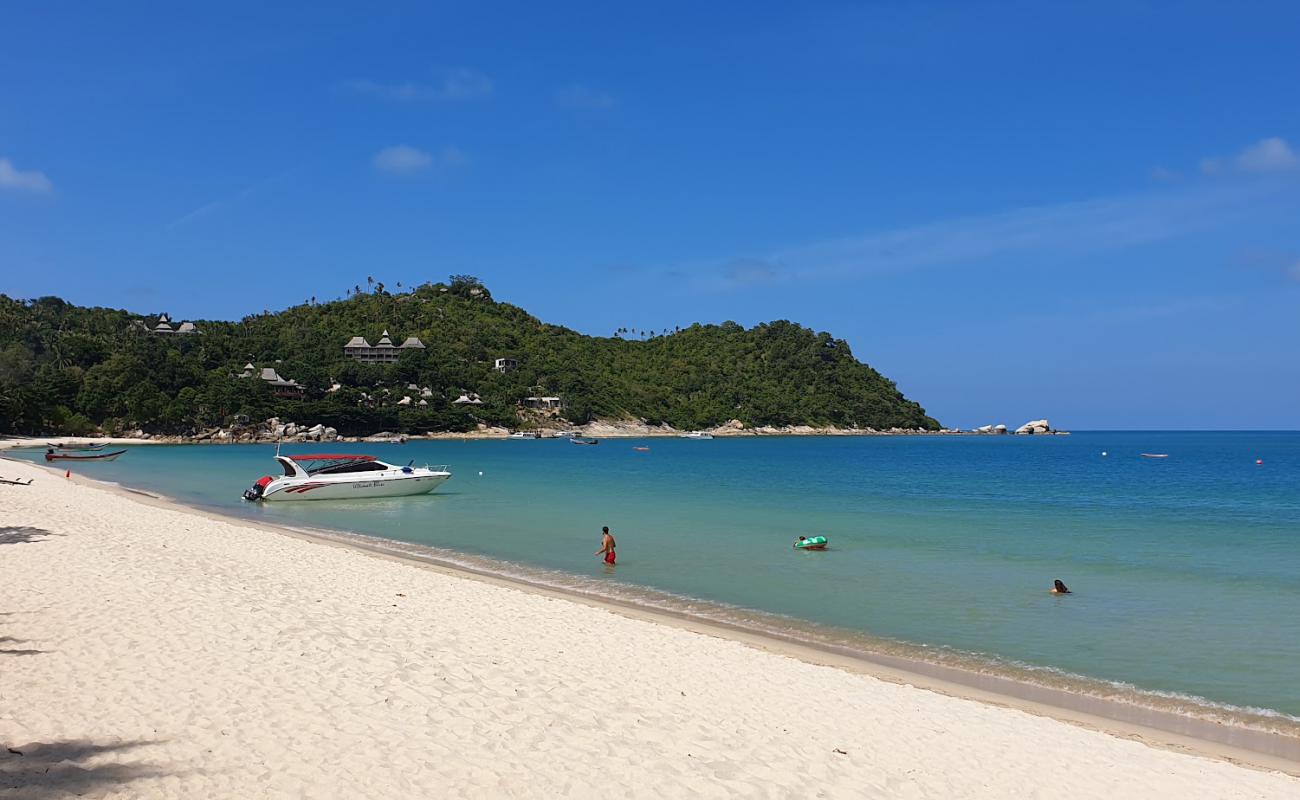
1103, 452
1259, 461
480, 472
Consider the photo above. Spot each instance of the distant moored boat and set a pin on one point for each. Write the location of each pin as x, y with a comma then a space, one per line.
50, 455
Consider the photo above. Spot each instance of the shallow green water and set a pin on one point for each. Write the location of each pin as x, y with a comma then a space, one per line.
1184, 569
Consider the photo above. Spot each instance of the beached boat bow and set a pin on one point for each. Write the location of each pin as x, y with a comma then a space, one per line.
50, 455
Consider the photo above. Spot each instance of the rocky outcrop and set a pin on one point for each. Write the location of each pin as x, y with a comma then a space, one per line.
273, 430
1036, 426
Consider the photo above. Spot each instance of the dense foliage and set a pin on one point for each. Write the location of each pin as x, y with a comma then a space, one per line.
67, 369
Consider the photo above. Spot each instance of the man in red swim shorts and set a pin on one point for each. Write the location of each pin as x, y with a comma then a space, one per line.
607, 546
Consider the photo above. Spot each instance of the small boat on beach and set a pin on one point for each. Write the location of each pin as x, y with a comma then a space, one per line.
583, 440
50, 455
1155, 455
526, 435
697, 435
344, 477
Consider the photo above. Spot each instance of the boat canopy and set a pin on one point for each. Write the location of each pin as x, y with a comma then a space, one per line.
340, 457
326, 463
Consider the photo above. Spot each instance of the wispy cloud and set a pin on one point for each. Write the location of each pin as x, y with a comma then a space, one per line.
584, 97
751, 272
1266, 155
460, 84
404, 160
1133, 313
209, 207
1268, 259
1162, 309
1089, 226
23, 180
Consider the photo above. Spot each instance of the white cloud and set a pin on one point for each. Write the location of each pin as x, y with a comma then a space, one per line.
405, 160
584, 97
1268, 155
23, 181
460, 84
402, 160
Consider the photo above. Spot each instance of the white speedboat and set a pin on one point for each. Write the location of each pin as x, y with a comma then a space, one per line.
344, 477
697, 435
526, 435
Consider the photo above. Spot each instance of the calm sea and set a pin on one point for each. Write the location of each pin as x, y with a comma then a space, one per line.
1185, 570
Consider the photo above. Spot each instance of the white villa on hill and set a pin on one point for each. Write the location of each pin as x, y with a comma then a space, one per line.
280, 387
543, 403
505, 364
382, 352
468, 399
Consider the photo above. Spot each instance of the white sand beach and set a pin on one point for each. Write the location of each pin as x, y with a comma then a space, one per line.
150, 651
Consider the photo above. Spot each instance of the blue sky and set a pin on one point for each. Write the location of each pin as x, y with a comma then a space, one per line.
1086, 212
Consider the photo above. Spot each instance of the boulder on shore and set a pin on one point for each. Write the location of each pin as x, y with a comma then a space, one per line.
1036, 426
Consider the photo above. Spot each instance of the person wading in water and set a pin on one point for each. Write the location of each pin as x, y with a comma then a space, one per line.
607, 546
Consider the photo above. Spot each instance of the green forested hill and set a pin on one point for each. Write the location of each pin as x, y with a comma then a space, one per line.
74, 370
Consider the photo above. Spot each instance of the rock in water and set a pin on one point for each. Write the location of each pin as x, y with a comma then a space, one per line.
1037, 426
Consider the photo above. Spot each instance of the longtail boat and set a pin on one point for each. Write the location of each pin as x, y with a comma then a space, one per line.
77, 447
50, 455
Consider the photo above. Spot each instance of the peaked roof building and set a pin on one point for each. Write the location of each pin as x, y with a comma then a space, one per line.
164, 325
381, 352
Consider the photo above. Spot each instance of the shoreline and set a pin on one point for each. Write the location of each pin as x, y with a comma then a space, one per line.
1250, 746
598, 429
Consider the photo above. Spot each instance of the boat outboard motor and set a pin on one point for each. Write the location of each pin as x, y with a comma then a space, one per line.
254, 492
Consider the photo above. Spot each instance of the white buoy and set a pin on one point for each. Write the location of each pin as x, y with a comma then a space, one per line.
1103, 452
480, 472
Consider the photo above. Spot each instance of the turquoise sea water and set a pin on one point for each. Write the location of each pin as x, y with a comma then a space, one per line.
1186, 570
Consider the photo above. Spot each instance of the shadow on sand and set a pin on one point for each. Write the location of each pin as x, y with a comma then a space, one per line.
24, 533
43, 770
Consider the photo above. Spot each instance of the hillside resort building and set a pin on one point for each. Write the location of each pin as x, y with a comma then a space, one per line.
382, 352
164, 325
